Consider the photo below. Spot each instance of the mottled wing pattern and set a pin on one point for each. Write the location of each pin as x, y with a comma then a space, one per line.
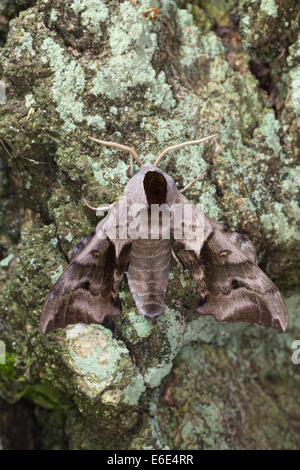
231, 285
87, 291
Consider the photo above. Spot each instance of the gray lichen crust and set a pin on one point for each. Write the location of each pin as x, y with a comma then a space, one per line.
73, 69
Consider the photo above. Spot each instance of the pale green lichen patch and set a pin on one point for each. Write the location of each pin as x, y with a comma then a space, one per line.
133, 43
286, 228
26, 43
173, 327
69, 81
154, 375
57, 273
195, 427
295, 89
245, 22
283, 220
68, 87
106, 175
294, 54
211, 46
99, 361
270, 7
5, 262
142, 326
93, 13
69, 237
102, 365
163, 130
193, 45
203, 329
158, 436
269, 128
134, 390
29, 100
53, 14
96, 121
208, 203
113, 110
291, 183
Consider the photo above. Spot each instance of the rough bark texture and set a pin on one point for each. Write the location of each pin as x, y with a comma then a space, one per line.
78, 68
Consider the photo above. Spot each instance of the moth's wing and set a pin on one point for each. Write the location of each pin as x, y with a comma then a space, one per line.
87, 291
231, 285
241, 241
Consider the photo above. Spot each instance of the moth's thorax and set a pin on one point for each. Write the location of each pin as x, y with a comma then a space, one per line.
135, 188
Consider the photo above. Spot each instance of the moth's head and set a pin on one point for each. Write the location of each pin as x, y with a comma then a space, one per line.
150, 185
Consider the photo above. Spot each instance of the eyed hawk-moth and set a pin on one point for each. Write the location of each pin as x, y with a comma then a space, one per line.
230, 284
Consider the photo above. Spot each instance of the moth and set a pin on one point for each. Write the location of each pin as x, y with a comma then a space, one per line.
230, 284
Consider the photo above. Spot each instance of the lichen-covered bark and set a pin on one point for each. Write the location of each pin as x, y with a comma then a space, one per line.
79, 68
10, 9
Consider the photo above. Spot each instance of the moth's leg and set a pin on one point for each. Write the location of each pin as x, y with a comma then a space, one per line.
189, 185
176, 259
100, 209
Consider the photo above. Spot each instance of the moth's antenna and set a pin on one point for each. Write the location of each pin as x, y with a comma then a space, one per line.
183, 144
121, 147
89, 206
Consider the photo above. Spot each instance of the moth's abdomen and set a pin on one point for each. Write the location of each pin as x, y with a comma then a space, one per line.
148, 275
